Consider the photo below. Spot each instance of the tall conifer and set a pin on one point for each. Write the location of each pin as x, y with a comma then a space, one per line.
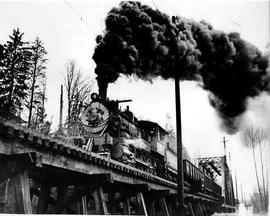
14, 74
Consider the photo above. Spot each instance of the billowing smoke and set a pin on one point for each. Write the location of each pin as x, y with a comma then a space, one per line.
144, 42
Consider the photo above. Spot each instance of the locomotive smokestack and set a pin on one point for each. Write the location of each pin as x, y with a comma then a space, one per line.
102, 89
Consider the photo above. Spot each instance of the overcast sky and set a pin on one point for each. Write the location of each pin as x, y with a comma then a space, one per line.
68, 30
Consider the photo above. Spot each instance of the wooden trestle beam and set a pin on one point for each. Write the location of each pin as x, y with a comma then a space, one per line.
100, 202
20, 184
126, 206
41, 175
43, 200
141, 204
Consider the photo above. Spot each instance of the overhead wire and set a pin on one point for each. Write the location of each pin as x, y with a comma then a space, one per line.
93, 9
234, 22
155, 5
153, 2
90, 7
80, 17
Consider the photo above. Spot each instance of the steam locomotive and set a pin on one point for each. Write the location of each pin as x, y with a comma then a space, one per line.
120, 135
143, 144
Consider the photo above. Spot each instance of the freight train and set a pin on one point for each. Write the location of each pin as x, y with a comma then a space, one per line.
145, 145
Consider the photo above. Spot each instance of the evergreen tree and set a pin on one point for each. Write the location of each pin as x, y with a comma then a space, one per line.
14, 74
37, 83
1, 56
2, 66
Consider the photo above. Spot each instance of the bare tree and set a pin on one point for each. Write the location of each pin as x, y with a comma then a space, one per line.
38, 65
78, 90
251, 139
261, 136
256, 202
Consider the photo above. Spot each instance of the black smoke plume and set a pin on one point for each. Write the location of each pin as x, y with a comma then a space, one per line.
144, 42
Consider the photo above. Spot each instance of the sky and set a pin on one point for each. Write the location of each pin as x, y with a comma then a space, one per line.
69, 28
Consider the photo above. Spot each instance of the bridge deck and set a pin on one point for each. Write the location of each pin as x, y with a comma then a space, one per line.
36, 164
52, 153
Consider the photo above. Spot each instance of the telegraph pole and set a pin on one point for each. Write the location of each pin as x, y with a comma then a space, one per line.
236, 187
61, 109
224, 142
180, 175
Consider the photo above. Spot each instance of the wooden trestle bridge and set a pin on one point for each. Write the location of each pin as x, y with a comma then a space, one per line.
41, 175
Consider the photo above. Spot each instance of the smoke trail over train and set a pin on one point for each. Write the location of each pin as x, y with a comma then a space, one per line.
144, 42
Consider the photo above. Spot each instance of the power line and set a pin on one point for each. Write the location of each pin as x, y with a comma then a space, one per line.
234, 22
90, 7
155, 5
93, 9
80, 17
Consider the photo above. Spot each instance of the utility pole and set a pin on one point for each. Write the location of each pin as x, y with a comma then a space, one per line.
224, 141
180, 175
242, 193
236, 187
61, 109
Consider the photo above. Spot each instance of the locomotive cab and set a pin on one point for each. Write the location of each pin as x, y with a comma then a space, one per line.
155, 135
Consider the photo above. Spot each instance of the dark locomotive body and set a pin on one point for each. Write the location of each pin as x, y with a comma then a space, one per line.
142, 144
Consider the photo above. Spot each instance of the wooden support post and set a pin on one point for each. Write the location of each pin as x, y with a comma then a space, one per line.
20, 183
150, 206
170, 209
43, 200
197, 209
204, 212
126, 206
141, 204
61, 198
191, 209
111, 202
79, 207
100, 203
153, 208
164, 208
84, 205
5, 192
201, 209
34, 202
79, 195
